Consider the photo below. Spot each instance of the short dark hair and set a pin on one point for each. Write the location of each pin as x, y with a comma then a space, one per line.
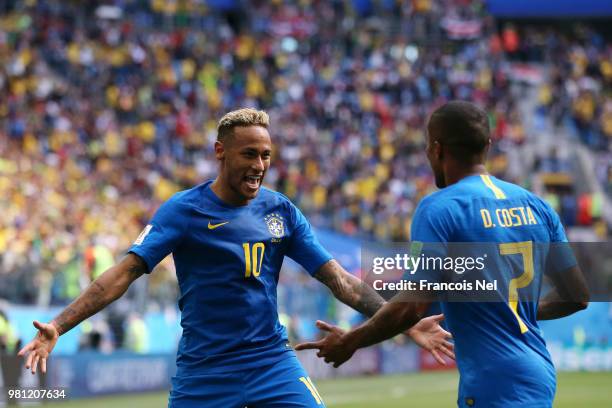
462, 127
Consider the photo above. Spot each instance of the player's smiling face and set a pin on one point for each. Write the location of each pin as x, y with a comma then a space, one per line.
246, 158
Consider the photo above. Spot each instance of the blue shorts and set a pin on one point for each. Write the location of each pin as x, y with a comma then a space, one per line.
284, 384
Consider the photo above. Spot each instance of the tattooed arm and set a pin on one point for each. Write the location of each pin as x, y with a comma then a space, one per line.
427, 332
110, 286
349, 289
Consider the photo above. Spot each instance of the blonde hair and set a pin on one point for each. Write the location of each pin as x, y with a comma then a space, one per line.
241, 117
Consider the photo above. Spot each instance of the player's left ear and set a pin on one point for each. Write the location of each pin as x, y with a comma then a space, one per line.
487, 146
437, 150
219, 150
485, 151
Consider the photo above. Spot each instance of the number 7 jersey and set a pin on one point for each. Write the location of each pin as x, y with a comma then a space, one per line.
501, 354
227, 262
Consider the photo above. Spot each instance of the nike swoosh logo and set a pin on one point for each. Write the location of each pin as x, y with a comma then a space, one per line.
213, 226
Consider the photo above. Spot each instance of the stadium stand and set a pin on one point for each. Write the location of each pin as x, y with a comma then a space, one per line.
106, 111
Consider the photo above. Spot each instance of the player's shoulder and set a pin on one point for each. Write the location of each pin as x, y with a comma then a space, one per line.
271, 201
482, 186
439, 201
516, 191
543, 208
434, 219
191, 197
540, 206
273, 198
513, 190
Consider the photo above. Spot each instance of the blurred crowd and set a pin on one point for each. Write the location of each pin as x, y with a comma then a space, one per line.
107, 110
578, 93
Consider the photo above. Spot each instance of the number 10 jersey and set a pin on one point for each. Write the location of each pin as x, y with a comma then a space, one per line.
228, 260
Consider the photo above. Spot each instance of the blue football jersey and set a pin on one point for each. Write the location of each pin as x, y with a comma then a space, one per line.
501, 354
227, 261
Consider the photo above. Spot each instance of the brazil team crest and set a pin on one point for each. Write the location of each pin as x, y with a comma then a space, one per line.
276, 224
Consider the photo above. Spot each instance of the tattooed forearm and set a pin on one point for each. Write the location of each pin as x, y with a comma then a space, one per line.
98, 286
349, 289
87, 304
107, 288
136, 268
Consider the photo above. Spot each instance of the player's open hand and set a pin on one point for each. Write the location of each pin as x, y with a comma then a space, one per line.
428, 334
38, 350
332, 348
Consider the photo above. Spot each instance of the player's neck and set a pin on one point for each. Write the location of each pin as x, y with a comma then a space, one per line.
458, 173
226, 194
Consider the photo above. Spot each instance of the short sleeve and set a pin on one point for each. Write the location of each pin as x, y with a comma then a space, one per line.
304, 247
429, 225
429, 235
557, 232
162, 235
560, 254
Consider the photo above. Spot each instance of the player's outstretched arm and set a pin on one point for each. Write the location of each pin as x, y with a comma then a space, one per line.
110, 286
392, 319
427, 333
349, 289
569, 295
